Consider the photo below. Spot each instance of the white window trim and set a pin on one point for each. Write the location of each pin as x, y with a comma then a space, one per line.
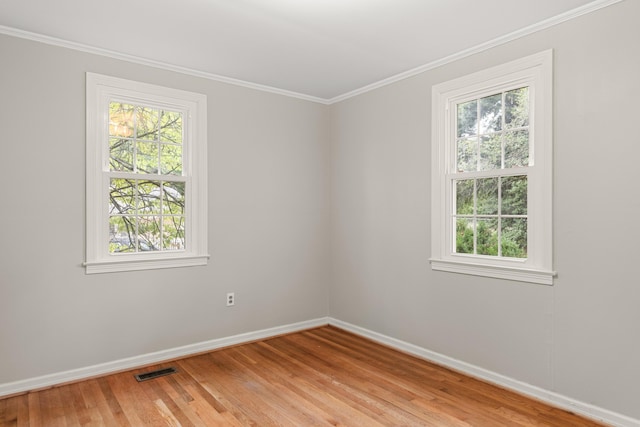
100, 89
535, 71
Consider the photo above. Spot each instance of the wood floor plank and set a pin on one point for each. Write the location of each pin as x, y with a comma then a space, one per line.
397, 392
319, 377
167, 414
366, 380
68, 397
7, 414
228, 389
207, 413
326, 378
168, 406
18, 409
132, 400
35, 417
307, 385
76, 406
51, 408
289, 388
206, 405
112, 402
97, 408
285, 400
263, 393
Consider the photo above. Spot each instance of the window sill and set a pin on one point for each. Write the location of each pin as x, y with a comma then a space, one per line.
541, 277
118, 265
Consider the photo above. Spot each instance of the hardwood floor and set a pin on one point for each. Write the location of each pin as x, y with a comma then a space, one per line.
319, 377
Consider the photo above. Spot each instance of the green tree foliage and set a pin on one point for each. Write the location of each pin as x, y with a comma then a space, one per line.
487, 220
491, 212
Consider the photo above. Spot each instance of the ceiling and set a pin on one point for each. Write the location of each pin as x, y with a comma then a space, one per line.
317, 49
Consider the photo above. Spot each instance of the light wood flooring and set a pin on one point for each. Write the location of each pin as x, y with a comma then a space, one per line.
319, 377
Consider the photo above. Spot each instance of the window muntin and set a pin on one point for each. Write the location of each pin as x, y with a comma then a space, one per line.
492, 132
146, 176
490, 216
492, 143
490, 211
145, 214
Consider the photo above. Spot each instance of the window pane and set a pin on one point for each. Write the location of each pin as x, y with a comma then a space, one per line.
171, 127
173, 201
147, 124
487, 237
516, 108
487, 199
120, 155
122, 234
122, 196
149, 233
147, 157
170, 159
120, 119
514, 195
464, 196
516, 149
173, 233
467, 155
149, 197
491, 114
464, 236
491, 152
514, 237
467, 114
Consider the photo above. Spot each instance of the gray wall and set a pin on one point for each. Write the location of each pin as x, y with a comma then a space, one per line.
580, 337
318, 211
268, 218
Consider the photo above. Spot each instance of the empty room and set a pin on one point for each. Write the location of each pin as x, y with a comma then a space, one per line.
320, 212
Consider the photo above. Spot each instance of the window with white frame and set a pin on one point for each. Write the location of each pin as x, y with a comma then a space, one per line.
146, 176
492, 172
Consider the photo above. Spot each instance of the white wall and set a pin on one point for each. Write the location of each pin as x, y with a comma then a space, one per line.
295, 220
578, 338
267, 224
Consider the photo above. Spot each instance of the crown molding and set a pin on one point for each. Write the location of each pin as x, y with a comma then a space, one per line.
54, 41
542, 25
577, 12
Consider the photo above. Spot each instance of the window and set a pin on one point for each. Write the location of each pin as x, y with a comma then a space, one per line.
491, 172
146, 176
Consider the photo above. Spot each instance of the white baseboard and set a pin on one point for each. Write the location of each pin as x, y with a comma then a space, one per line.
547, 396
45, 381
550, 397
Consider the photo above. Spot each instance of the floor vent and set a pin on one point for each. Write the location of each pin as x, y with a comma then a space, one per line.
155, 374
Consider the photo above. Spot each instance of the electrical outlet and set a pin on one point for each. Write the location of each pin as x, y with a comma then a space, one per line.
231, 299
